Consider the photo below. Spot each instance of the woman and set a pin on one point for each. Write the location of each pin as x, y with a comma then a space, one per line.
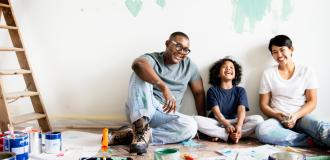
288, 93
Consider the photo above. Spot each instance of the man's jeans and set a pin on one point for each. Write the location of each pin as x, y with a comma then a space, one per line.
166, 128
308, 131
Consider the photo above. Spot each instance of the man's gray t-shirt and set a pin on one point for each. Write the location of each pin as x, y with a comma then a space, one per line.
176, 76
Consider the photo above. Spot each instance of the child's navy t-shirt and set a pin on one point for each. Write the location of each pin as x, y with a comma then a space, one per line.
227, 99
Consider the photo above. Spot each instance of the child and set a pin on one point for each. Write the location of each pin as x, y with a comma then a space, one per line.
228, 103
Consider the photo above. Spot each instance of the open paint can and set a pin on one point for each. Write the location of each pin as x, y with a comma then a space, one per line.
167, 154
287, 156
18, 144
53, 142
1, 142
35, 142
8, 155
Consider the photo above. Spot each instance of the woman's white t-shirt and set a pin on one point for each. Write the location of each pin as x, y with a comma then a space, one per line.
287, 95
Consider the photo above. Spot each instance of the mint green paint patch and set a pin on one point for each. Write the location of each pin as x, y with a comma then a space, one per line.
134, 6
144, 100
277, 134
286, 9
319, 158
250, 11
161, 3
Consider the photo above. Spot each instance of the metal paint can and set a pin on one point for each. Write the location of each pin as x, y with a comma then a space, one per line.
7, 155
18, 144
287, 156
15, 132
1, 142
53, 142
35, 142
167, 154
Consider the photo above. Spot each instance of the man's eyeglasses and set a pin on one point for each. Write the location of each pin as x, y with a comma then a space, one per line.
179, 48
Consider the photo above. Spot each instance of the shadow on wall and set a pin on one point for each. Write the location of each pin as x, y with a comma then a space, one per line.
188, 105
257, 60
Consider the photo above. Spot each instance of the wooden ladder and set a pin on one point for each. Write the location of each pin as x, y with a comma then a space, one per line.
24, 70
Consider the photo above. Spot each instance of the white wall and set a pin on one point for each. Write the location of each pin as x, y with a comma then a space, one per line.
81, 51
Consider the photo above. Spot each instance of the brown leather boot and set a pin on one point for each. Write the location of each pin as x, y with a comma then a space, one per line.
120, 136
141, 137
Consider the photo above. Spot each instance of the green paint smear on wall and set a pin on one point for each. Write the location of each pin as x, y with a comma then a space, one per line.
134, 6
286, 10
161, 3
250, 11
253, 11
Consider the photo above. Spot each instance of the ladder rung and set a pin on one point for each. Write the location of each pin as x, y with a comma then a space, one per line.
8, 27
27, 117
14, 72
4, 5
11, 49
15, 95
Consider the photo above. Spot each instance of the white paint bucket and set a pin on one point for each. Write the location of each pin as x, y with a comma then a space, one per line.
53, 142
35, 142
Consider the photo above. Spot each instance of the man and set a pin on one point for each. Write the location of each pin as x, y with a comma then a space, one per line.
156, 90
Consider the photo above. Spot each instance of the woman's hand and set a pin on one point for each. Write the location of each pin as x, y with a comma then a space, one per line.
281, 116
291, 121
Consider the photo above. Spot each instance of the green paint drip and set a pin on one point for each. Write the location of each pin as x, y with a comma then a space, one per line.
134, 6
250, 10
286, 9
161, 3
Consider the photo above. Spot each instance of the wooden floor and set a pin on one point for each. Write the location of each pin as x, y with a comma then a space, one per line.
77, 141
208, 149
205, 149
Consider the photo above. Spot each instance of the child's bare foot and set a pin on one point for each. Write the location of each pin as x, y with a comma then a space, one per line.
214, 139
234, 137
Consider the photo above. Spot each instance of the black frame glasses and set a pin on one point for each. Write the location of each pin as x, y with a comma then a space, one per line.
179, 48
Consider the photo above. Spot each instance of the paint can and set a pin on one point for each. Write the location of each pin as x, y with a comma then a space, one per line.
167, 154
287, 156
2, 138
1, 142
53, 142
15, 132
35, 142
18, 144
7, 155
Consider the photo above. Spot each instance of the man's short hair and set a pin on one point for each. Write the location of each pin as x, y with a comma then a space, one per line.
174, 34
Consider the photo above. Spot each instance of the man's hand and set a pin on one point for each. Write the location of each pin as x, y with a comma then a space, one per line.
170, 102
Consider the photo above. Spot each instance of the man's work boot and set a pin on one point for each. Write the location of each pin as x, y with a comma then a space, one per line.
120, 136
141, 137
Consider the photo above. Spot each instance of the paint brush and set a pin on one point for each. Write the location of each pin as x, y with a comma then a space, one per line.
105, 140
11, 131
236, 157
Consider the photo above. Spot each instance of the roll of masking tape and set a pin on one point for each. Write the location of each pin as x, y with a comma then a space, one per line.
167, 154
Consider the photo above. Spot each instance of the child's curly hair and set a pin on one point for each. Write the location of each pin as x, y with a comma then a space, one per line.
214, 78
